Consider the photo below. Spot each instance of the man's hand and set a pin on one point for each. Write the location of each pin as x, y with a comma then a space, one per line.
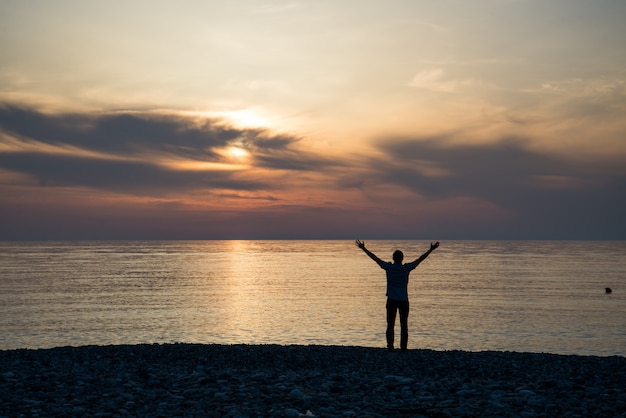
434, 246
359, 244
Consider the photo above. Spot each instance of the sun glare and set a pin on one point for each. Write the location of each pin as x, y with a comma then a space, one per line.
237, 153
246, 119
242, 119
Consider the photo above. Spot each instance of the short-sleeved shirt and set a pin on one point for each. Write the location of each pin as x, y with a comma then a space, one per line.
398, 279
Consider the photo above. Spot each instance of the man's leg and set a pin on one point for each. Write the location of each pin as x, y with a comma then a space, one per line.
392, 308
404, 324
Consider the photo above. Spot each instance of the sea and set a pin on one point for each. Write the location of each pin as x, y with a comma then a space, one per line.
524, 296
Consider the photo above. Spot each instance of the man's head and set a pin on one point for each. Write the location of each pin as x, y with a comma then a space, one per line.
398, 256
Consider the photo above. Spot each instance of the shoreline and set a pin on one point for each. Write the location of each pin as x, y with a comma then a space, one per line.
300, 380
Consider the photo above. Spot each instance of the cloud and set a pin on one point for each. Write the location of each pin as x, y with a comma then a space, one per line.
134, 177
128, 152
59, 169
547, 192
122, 133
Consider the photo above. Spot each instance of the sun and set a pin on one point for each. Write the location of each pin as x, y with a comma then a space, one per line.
234, 155
237, 153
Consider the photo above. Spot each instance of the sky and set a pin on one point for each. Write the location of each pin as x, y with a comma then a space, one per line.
242, 119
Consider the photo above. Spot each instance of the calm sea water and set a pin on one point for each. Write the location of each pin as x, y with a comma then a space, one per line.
531, 296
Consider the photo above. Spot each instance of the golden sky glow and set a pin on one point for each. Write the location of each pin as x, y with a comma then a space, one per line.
313, 119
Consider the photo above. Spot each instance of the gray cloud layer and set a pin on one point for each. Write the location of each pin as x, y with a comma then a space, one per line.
551, 196
548, 192
137, 137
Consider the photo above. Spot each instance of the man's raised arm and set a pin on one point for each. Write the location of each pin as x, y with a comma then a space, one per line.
432, 248
373, 256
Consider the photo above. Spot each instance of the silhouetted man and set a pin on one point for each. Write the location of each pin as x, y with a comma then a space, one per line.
397, 294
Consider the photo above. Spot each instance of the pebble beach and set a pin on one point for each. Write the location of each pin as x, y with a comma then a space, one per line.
193, 380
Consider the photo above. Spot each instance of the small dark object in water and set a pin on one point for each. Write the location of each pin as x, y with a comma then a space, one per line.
608, 290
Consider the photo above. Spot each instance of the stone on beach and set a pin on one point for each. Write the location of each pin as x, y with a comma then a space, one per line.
315, 381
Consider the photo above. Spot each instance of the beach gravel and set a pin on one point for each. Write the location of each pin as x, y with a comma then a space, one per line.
193, 380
